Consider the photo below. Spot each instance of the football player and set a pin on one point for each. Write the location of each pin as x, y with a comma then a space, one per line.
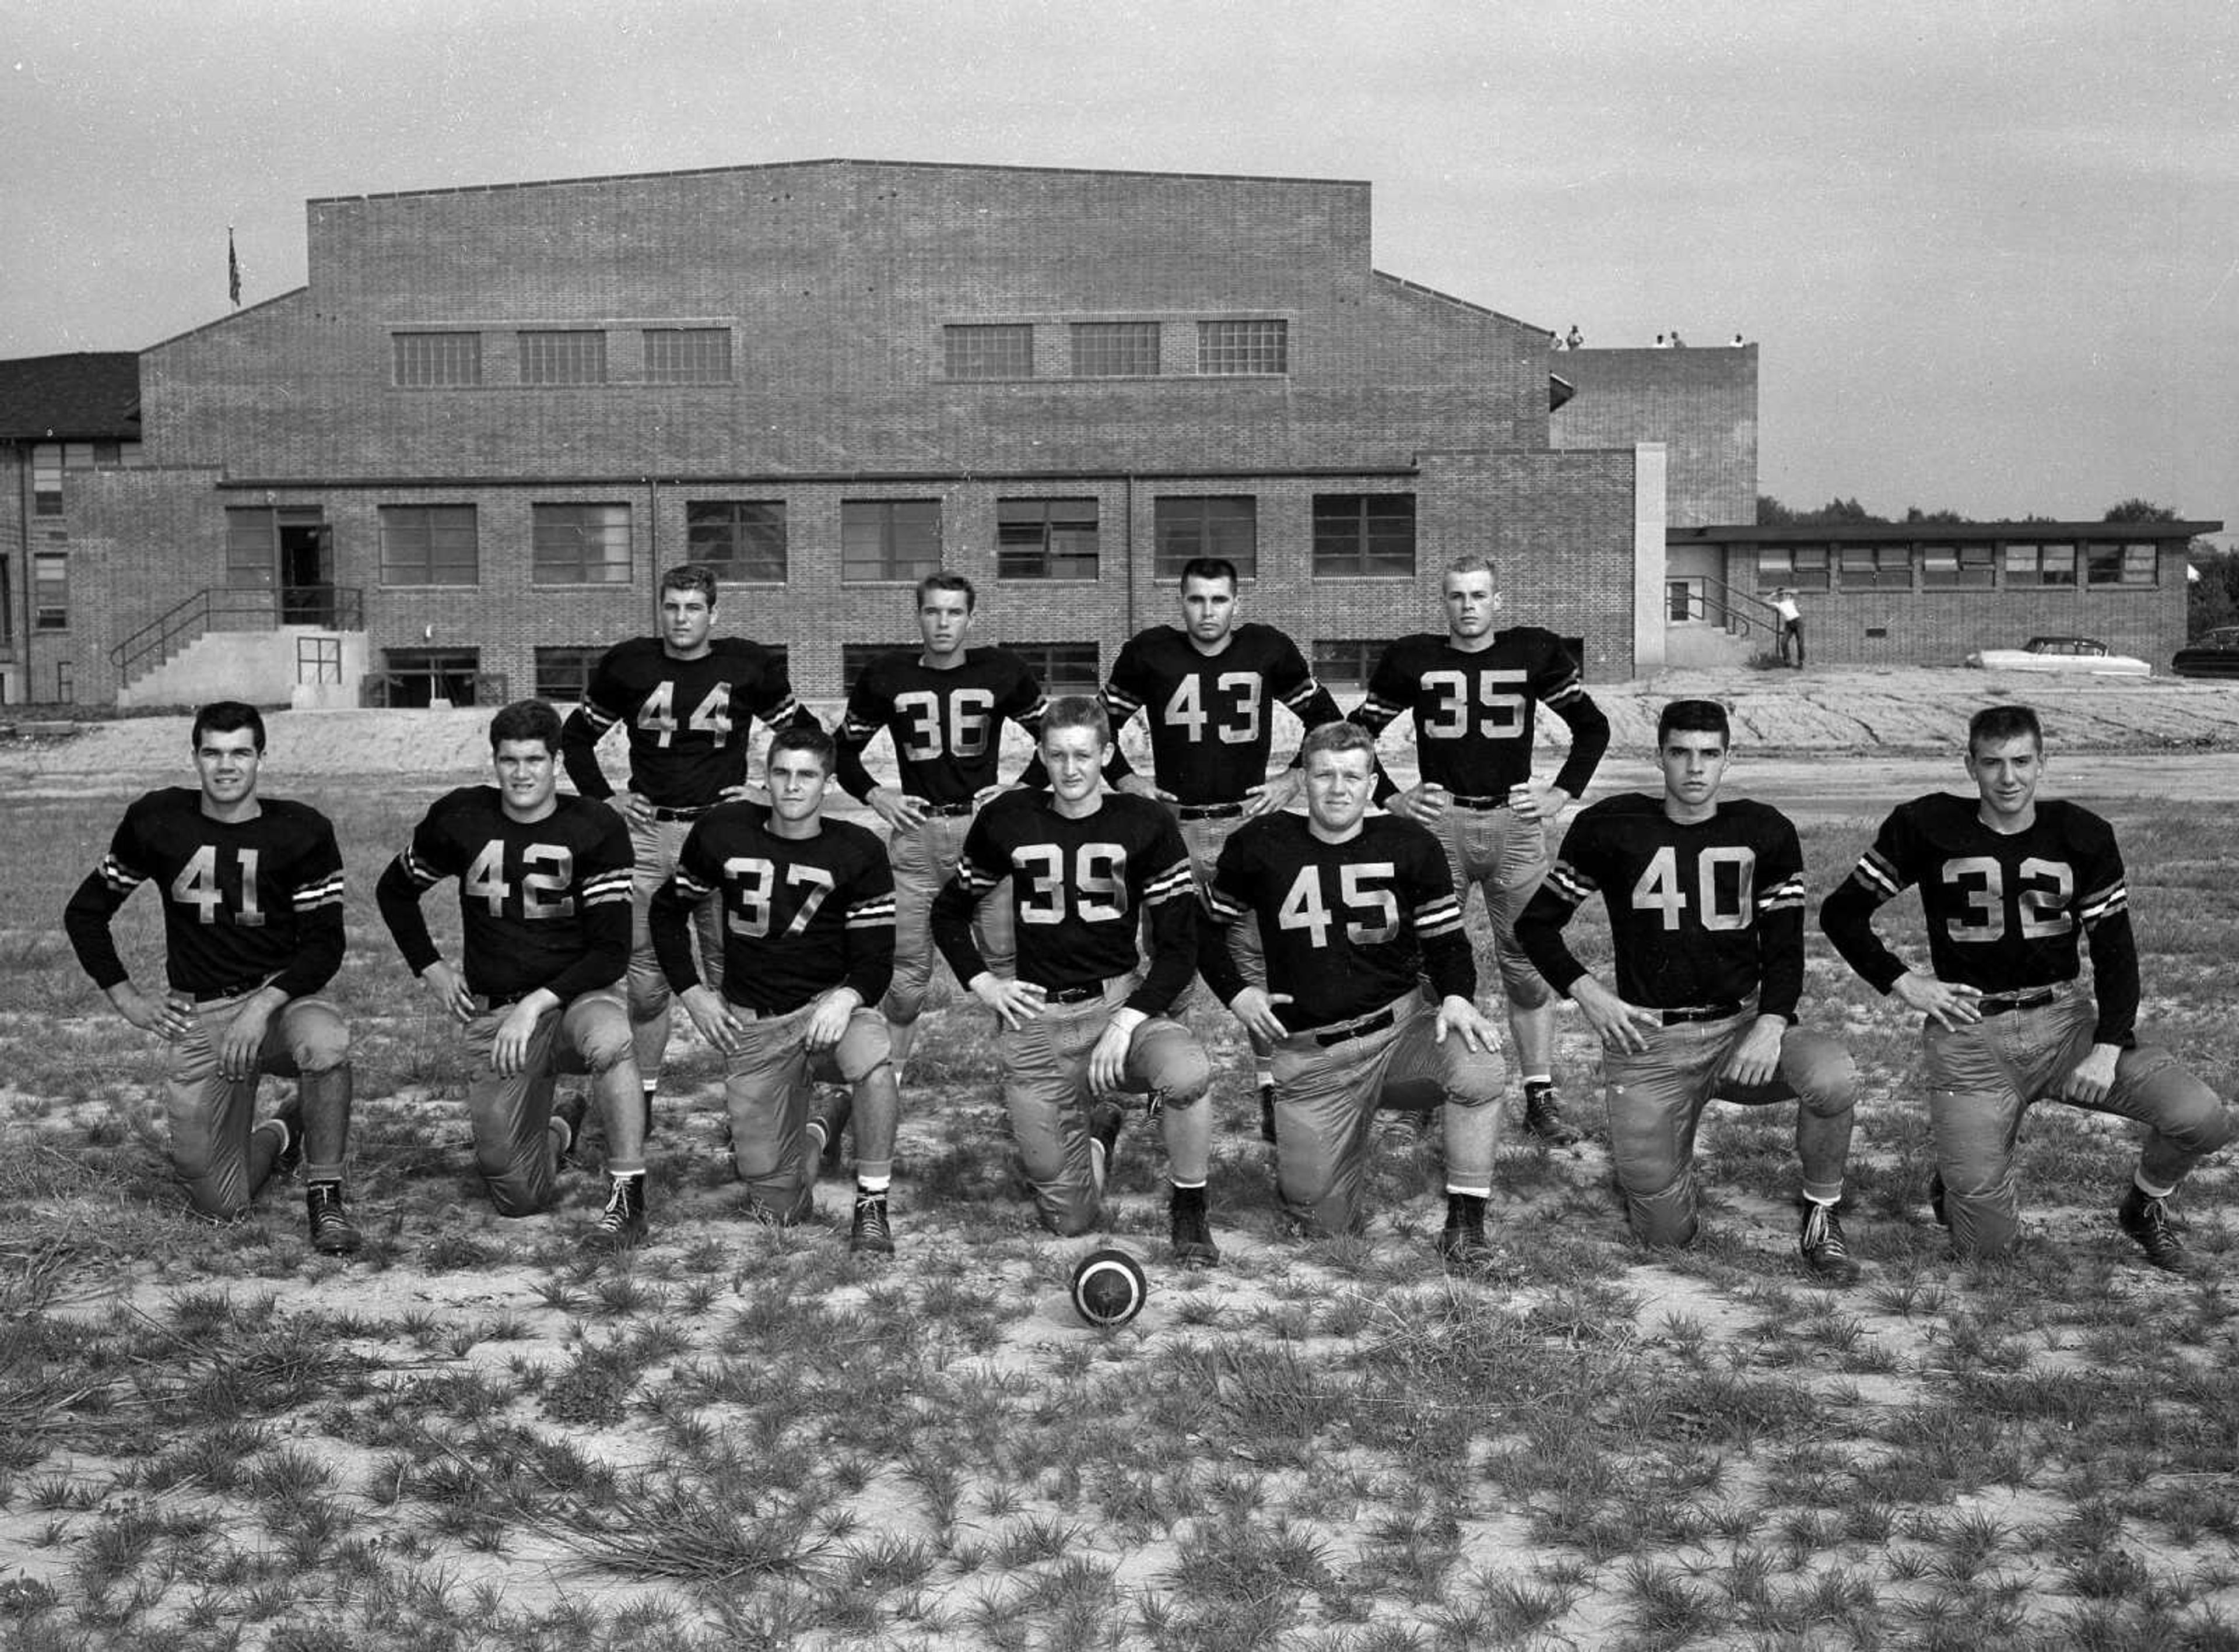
1474, 693
1706, 901
1357, 912
942, 706
808, 937
252, 890
2011, 887
1084, 1019
544, 883
1208, 691
688, 700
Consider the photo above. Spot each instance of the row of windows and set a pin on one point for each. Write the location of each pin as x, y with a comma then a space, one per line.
563, 355
51, 459
745, 541
1892, 567
1115, 349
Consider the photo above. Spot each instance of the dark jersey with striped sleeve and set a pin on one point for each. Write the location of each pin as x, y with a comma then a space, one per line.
1211, 715
1701, 913
246, 903
1347, 927
542, 903
947, 725
1079, 891
2005, 911
800, 915
689, 721
1474, 712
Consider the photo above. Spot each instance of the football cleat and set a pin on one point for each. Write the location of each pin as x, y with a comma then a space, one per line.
623, 1223
1543, 1118
1826, 1252
286, 1122
1104, 1121
2147, 1220
824, 1127
332, 1231
1462, 1242
1267, 1114
1190, 1231
568, 1111
870, 1232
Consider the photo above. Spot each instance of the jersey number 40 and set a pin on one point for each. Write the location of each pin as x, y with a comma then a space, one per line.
1725, 877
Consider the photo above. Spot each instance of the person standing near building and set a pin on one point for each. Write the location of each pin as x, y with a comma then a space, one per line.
942, 705
1358, 914
1208, 690
252, 890
1473, 693
809, 933
2012, 888
1791, 620
1092, 873
1706, 904
688, 700
544, 894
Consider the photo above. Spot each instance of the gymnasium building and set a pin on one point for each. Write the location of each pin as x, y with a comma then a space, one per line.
453, 465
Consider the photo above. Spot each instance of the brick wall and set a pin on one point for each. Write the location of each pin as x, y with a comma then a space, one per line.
1701, 404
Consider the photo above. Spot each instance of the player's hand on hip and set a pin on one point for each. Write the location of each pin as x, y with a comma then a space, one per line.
1144, 785
1425, 801
1107, 1061
1756, 1058
1466, 1022
1015, 1003
898, 809
2089, 1084
712, 1018
634, 809
449, 989
1946, 1003
828, 1020
167, 1018
1270, 796
987, 794
1255, 1008
509, 1049
1540, 800
1621, 1025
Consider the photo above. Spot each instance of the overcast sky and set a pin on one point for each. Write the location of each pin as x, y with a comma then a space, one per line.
1991, 252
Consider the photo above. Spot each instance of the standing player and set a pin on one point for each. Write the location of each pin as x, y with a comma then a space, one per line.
688, 700
2009, 885
1473, 694
544, 900
1356, 912
808, 921
1706, 904
942, 707
252, 929
1208, 691
1083, 1020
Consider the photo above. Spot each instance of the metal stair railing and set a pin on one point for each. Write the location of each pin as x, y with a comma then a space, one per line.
332, 607
1744, 613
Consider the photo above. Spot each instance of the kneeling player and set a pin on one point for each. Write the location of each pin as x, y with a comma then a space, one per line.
1352, 909
2008, 884
808, 946
1706, 904
252, 929
1084, 1017
544, 897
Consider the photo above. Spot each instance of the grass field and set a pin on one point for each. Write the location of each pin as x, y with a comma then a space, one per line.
476, 1435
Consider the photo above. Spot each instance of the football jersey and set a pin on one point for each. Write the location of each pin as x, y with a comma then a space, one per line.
947, 725
244, 900
542, 903
689, 721
1212, 716
1345, 927
2005, 911
1079, 891
1701, 913
1474, 712
800, 915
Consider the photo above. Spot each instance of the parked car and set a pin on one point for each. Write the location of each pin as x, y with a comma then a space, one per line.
2215, 654
2061, 654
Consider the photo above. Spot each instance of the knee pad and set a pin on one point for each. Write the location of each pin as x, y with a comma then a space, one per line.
1183, 1078
321, 1044
1830, 1088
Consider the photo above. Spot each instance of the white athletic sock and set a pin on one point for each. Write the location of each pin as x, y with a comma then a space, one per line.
2150, 1190
873, 1183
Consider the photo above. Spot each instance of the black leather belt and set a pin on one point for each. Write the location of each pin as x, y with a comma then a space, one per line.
1208, 811
946, 811
242, 990
1461, 802
1360, 1029
488, 1001
1700, 1012
2011, 1001
662, 813
1072, 994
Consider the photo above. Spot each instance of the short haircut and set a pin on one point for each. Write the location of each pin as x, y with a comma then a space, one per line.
1470, 562
1694, 717
1337, 738
944, 581
690, 576
1995, 723
1209, 567
804, 737
223, 716
527, 720
1077, 711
